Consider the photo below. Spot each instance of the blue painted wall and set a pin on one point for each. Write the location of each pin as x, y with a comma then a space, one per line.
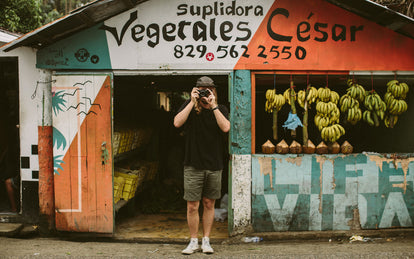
240, 112
87, 49
332, 192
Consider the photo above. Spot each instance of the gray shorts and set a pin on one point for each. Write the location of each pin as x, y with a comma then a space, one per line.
201, 183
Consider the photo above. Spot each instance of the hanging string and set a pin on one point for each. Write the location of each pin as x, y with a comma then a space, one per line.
37, 84
327, 81
274, 81
395, 75
307, 79
372, 82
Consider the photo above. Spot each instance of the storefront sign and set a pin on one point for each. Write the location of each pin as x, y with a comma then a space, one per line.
234, 34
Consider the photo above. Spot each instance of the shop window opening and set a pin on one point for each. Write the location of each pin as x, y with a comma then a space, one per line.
366, 132
148, 154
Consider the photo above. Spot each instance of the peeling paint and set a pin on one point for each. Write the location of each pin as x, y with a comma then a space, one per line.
266, 168
403, 162
321, 160
294, 160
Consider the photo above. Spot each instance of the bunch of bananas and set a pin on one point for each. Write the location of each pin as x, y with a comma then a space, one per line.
375, 109
273, 101
350, 107
355, 90
327, 115
287, 94
324, 94
397, 89
394, 97
332, 133
394, 100
311, 97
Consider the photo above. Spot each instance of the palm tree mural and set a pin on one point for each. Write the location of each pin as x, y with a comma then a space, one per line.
58, 139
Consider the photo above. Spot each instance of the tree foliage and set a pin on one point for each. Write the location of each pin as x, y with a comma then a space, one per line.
22, 16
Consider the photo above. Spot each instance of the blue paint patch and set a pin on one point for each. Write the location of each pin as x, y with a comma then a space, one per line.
240, 113
305, 198
87, 49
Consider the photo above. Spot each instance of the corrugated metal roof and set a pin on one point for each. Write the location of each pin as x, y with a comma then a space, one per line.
100, 10
379, 14
79, 19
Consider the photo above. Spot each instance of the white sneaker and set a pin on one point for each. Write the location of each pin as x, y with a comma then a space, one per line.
205, 246
191, 248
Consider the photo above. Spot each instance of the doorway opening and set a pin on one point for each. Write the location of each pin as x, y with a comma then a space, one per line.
147, 146
9, 136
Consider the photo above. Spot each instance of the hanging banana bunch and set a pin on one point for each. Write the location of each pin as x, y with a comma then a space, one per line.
274, 102
305, 99
309, 95
327, 115
350, 101
375, 109
293, 120
395, 101
356, 91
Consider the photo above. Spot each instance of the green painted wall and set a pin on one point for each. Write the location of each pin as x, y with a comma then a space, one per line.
87, 49
331, 192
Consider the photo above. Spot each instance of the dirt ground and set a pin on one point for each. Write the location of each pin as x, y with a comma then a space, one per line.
36, 247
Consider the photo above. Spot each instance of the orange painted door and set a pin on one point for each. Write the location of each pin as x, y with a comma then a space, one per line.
82, 151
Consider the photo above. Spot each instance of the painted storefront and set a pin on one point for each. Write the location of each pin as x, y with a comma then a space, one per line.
239, 39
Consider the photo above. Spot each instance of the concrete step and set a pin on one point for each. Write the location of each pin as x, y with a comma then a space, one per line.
10, 229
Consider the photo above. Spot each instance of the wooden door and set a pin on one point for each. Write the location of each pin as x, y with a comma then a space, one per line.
82, 151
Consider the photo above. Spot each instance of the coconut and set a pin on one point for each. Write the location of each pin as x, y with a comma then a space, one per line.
309, 148
268, 147
295, 147
282, 147
346, 148
322, 148
334, 148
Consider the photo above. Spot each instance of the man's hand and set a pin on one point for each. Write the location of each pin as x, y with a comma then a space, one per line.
194, 95
211, 100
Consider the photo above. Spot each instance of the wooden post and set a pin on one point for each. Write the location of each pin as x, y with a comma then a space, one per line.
45, 152
305, 118
292, 106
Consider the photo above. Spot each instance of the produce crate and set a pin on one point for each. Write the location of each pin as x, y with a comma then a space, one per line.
119, 183
132, 180
116, 141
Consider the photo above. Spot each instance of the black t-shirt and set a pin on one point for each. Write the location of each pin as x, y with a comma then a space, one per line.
204, 140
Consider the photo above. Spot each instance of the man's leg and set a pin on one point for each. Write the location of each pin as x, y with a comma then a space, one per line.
208, 216
11, 194
193, 218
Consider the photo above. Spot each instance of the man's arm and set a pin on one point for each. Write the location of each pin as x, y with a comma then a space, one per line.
182, 116
222, 121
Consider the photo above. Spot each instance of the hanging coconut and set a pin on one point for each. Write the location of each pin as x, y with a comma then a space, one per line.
309, 147
268, 147
295, 148
334, 148
346, 148
282, 147
322, 148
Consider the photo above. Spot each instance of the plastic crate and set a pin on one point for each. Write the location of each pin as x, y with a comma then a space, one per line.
119, 183
132, 180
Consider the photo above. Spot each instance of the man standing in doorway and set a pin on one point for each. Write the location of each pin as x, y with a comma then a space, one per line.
204, 123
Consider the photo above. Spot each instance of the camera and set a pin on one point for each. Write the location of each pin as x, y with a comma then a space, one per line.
203, 93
